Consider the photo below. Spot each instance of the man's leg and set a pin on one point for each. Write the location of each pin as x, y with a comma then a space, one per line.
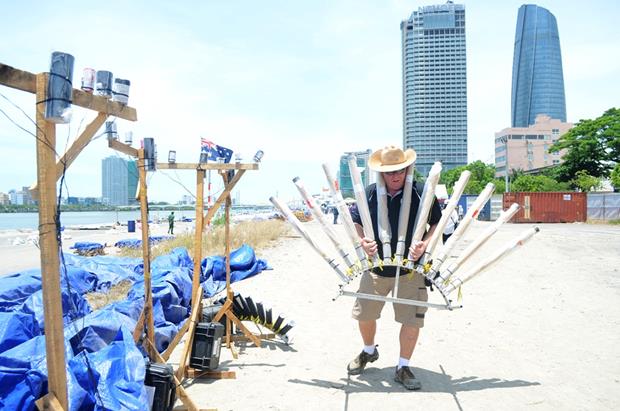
368, 329
369, 353
408, 340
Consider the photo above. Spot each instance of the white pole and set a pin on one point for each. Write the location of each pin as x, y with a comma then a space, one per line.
346, 218
403, 223
472, 212
457, 191
302, 231
494, 258
362, 202
383, 222
318, 214
480, 240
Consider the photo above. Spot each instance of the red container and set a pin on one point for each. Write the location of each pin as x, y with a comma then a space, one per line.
564, 207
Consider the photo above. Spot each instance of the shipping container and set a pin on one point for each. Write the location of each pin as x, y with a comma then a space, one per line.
556, 207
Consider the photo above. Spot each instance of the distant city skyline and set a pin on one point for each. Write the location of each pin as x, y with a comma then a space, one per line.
434, 72
537, 76
303, 90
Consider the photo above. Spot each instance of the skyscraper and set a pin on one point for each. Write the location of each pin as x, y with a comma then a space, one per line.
114, 181
435, 85
132, 181
537, 79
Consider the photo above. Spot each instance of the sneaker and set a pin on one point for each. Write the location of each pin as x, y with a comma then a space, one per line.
358, 364
406, 378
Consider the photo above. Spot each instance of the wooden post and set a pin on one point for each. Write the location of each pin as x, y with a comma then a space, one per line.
48, 243
146, 251
200, 185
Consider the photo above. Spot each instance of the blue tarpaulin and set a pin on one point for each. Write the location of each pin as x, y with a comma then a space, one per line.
101, 340
243, 264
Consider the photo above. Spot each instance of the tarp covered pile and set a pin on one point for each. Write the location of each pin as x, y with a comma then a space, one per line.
105, 368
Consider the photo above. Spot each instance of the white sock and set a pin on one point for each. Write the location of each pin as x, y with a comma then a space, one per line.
403, 362
369, 349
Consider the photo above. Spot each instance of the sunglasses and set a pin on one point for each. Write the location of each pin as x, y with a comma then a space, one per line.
397, 172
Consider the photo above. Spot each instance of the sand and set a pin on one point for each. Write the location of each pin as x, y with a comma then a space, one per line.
540, 330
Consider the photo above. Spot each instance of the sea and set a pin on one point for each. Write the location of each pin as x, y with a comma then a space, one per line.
23, 221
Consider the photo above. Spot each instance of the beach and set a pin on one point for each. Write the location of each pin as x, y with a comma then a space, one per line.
540, 330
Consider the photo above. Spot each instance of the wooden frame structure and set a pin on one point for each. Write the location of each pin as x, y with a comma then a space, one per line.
48, 173
201, 221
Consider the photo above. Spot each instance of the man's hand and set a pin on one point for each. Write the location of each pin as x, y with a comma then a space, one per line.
417, 249
370, 246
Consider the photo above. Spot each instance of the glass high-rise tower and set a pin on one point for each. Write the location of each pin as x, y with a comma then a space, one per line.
537, 79
114, 181
435, 85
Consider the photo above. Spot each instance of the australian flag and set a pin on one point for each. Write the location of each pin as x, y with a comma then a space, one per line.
209, 151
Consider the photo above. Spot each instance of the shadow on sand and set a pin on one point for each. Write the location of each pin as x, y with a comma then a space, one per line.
382, 380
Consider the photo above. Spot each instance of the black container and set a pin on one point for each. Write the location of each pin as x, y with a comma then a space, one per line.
208, 313
161, 377
206, 348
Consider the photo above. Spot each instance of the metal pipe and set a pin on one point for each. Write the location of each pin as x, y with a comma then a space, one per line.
405, 301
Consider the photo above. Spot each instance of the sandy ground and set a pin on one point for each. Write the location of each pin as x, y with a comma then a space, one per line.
540, 330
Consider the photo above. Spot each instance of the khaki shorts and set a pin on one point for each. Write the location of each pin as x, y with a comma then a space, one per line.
413, 289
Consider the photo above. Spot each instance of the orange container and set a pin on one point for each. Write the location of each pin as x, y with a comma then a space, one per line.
552, 207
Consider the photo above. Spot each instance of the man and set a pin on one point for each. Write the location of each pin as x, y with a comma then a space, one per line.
336, 214
171, 223
391, 164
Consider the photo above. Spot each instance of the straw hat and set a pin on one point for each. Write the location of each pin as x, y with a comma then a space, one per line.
391, 158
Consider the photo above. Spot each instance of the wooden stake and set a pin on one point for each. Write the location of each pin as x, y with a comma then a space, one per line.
228, 186
48, 402
175, 341
200, 186
48, 243
146, 251
187, 349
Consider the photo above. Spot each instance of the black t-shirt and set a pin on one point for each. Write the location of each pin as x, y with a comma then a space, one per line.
393, 206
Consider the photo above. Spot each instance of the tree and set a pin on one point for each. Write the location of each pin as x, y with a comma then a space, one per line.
481, 174
592, 146
586, 182
537, 183
615, 177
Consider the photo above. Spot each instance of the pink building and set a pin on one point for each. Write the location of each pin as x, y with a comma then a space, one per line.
527, 148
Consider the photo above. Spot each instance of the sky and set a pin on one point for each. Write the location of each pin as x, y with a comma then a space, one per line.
304, 81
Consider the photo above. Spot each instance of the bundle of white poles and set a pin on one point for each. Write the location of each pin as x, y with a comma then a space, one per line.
445, 273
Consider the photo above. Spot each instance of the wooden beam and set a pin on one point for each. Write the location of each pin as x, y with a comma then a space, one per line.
227, 189
25, 81
207, 166
181, 393
139, 329
123, 148
48, 402
146, 251
48, 243
175, 341
76, 148
187, 349
200, 188
18, 79
213, 374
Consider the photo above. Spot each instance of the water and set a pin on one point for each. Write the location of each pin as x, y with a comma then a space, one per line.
15, 221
